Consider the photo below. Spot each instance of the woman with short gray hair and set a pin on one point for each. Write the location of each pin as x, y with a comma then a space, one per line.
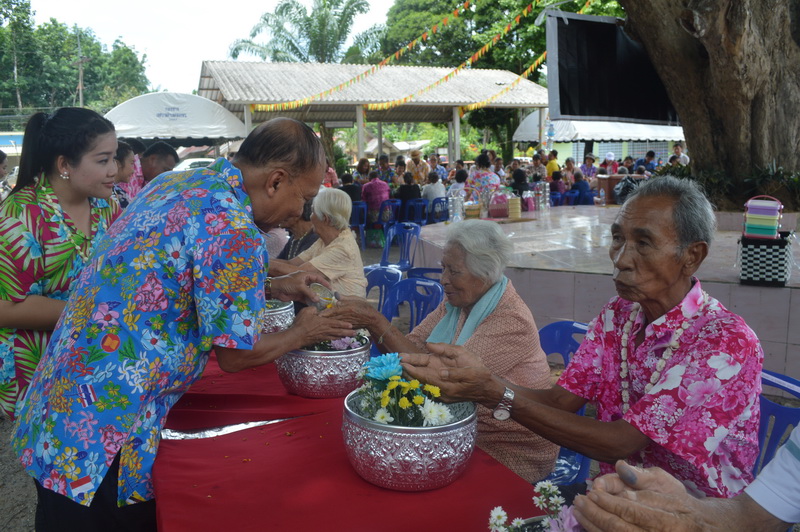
483, 312
336, 254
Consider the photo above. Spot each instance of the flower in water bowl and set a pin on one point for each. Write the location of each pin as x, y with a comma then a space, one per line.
387, 398
340, 344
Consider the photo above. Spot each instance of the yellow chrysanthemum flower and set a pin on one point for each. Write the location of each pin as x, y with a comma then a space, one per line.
392, 385
384, 401
419, 400
414, 384
433, 390
394, 378
404, 403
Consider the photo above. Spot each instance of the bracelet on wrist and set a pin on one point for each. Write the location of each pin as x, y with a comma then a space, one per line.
380, 338
268, 288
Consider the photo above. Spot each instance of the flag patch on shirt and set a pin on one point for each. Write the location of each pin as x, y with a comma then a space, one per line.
87, 395
81, 487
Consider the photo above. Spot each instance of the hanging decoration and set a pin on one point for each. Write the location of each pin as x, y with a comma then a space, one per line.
294, 104
385, 106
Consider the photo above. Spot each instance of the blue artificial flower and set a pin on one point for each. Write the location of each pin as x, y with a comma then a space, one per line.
383, 367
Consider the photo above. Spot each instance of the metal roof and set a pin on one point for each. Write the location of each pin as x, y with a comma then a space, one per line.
234, 84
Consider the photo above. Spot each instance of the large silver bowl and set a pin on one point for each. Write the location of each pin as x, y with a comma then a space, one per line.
321, 374
409, 458
279, 316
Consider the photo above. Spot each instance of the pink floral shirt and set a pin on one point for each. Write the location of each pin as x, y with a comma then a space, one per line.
703, 413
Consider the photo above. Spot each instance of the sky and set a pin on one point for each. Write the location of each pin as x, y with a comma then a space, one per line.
177, 36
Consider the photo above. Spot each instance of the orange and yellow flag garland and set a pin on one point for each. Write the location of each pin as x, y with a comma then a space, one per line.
285, 106
384, 106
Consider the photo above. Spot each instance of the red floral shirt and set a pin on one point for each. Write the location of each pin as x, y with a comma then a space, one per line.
703, 413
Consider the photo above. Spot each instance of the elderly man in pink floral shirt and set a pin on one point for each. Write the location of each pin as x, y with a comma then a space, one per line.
674, 375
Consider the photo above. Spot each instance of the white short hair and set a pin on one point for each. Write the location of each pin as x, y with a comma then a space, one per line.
486, 248
334, 207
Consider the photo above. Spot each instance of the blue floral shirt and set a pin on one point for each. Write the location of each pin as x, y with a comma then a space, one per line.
182, 270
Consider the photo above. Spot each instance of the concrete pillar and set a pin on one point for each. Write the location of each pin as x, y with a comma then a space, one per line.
360, 130
456, 135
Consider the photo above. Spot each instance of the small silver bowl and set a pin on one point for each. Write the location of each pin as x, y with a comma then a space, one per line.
279, 316
322, 374
409, 458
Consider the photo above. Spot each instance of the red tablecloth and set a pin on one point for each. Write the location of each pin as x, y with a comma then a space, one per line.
295, 475
219, 398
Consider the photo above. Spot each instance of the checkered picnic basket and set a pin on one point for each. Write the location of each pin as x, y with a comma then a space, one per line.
766, 262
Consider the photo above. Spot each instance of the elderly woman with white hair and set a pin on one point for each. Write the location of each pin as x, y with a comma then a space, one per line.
484, 313
336, 254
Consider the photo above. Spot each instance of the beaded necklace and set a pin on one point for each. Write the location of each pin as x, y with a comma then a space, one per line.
66, 229
294, 245
674, 344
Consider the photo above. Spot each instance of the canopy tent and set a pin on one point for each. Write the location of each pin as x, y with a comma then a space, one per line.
596, 130
180, 119
248, 89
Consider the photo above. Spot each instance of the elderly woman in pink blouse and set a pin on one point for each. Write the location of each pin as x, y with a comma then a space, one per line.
484, 313
674, 375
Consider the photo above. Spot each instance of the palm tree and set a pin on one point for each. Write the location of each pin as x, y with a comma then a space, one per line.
297, 35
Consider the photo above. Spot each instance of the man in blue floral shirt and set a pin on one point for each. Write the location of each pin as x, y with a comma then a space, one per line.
183, 271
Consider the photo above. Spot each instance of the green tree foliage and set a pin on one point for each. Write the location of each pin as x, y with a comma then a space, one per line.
464, 35
43, 64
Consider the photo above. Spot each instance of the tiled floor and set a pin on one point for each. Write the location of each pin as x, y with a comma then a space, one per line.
562, 270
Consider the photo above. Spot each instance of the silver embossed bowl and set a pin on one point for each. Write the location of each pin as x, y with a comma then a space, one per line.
322, 374
409, 458
279, 316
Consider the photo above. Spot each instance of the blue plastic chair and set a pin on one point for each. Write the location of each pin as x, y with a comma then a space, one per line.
422, 296
381, 278
416, 211
559, 337
407, 234
438, 211
358, 220
587, 198
782, 418
389, 213
556, 199
571, 197
434, 274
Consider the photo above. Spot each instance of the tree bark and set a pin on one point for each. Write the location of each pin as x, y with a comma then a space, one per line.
732, 71
326, 137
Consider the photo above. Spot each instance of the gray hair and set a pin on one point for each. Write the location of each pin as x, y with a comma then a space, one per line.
486, 248
692, 213
334, 206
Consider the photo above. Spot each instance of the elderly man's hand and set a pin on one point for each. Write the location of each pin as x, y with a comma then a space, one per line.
295, 286
313, 328
634, 500
355, 310
459, 373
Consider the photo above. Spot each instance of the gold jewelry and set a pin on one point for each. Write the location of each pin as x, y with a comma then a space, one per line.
294, 245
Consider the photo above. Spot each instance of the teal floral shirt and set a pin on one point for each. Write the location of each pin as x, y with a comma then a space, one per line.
182, 270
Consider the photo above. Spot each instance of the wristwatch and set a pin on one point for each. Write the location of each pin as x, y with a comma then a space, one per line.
503, 410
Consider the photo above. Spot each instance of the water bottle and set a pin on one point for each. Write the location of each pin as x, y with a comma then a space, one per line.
602, 197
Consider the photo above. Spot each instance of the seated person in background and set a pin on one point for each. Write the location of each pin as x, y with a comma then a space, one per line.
483, 179
301, 234
124, 161
552, 164
558, 183
568, 172
361, 173
583, 187
627, 162
674, 375
387, 175
433, 162
622, 171
410, 190
457, 188
648, 161
434, 189
536, 170
513, 166
610, 164
336, 254
674, 160
677, 149
351, 189
451, 175
498, 168
520, 182
374, 193
660, 502
160, 157
483, 312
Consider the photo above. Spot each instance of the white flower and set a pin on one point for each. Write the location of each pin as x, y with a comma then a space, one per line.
557, 501
540, 502
517, 522
383, 416
497, 517
435, 414
545, 487
725, 365
669, 380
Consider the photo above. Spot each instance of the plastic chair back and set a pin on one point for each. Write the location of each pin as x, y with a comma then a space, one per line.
556, 199
438, 211
416, 211
389, 213
422, 296
383, 278
358, 220
777, 421
407, 234
571, 197
434, 274
587, 198
559, 338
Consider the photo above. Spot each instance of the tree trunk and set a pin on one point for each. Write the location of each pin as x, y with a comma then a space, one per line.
732, 71
326, 137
